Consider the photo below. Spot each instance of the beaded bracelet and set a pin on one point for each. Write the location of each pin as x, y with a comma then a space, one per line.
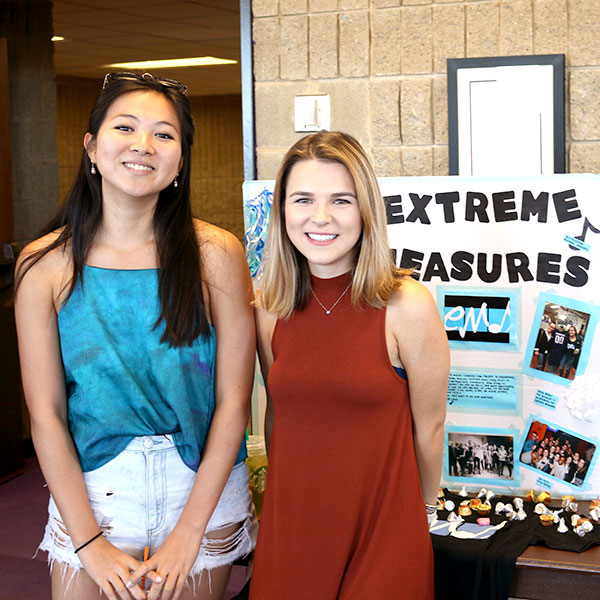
88, 542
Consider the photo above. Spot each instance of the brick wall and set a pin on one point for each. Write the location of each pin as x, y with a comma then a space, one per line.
383, 62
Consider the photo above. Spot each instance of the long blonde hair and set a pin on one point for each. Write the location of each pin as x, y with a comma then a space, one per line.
285, 280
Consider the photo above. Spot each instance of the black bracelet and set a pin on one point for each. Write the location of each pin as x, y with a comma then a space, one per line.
88, 542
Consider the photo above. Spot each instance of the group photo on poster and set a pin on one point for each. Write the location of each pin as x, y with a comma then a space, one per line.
559, 340
557, 453
477, 454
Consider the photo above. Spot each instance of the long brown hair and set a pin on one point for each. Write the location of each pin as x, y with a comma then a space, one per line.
180, 291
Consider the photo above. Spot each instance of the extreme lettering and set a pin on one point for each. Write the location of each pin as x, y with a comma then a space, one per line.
477, 207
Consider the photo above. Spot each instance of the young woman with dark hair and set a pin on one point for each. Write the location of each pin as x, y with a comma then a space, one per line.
136, 338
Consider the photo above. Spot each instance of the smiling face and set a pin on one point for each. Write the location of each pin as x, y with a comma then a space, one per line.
137, 149
322, 216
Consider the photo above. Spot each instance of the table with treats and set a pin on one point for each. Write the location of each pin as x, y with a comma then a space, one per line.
489, 547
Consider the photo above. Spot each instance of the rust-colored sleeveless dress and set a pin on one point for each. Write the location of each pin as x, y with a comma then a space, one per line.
343, 516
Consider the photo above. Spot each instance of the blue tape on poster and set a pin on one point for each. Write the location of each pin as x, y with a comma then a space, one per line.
543, 483
577, 244
545, 399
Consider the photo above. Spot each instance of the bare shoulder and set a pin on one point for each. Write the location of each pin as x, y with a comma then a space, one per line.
54, 263
411, 300
214, 237
47, 279
218, 247
417, 327
223, 259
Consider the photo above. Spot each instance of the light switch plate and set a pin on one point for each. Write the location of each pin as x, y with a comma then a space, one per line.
312, 113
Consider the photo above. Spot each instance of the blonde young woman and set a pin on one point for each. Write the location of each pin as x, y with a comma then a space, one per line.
356, 362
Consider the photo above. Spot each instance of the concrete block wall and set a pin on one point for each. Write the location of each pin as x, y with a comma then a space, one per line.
383, 63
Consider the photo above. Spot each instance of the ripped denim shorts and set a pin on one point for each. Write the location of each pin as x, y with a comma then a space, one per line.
137, 498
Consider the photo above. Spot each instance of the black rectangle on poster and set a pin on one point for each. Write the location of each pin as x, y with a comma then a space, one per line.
500, 302
479, 336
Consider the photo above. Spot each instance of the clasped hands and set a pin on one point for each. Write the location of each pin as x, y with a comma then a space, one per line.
168, 568
122, 577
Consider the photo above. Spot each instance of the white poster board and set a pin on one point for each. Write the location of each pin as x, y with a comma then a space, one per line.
502, 257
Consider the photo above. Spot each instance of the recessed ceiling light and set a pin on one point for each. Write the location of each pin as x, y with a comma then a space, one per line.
57, 38
199, 61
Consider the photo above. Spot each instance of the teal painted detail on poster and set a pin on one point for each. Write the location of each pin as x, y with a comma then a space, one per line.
550, 370
487, 315
257, 209
485, 391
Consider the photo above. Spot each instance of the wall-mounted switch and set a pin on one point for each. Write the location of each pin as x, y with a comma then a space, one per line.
311, 113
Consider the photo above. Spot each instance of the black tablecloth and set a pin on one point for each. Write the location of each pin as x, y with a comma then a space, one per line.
482, 569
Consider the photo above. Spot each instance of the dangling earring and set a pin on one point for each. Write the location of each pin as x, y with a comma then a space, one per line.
175, 184
93, 169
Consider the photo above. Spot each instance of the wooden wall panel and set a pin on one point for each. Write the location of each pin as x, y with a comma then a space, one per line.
217, 162
75, 97
6, 200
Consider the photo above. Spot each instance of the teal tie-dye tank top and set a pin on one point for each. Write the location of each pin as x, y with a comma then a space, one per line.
121, 381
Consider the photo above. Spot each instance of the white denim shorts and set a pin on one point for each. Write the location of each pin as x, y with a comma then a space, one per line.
137, 498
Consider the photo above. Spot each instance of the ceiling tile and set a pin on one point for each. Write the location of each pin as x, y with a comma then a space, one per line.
182, 12
101, 32
75, 32
98, 18
164, 29
232, 5
110, 4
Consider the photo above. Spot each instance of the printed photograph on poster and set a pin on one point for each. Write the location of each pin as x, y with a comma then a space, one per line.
557, 453
475, 456
480, 319
560, 339
493, 391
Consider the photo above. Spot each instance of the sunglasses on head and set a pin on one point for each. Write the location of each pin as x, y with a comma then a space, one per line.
127, 76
